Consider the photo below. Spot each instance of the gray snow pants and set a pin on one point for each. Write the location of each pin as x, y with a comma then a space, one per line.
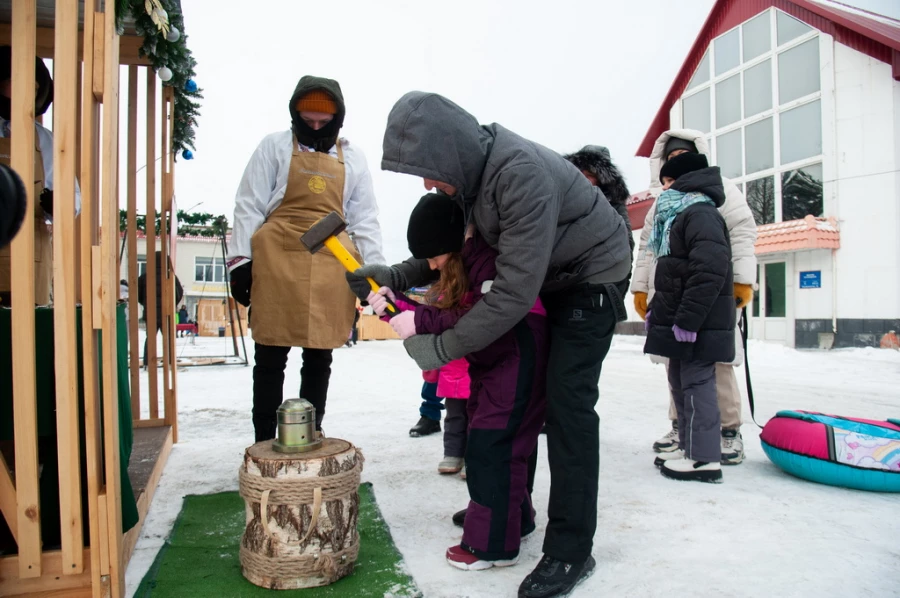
456, 424
694, 391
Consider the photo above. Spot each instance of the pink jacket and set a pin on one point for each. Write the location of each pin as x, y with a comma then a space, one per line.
452, 379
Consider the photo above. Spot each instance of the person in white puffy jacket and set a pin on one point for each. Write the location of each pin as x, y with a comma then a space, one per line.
742, 231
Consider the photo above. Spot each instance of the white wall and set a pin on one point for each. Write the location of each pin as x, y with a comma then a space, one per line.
867, 192
812, 304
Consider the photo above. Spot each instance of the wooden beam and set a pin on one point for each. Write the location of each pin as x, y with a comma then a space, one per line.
22, 262
98, 59
167, 294
151, 273
171, 398
129, 52
149, 423
90, 227
65, 65
146, 498
8, 499
131, 234
110, 249
54, 583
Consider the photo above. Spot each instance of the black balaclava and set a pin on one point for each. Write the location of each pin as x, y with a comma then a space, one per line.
436, 226
325, 138
43, 97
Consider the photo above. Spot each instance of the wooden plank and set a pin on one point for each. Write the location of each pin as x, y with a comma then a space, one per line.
97, 58
8, 498
129, 52
171, 398
146, 497
131, 234
90, 226
103, 510
150, 244
96, 277
54, 583
150, 423
168, 293
22, 249
66, 357
110, 247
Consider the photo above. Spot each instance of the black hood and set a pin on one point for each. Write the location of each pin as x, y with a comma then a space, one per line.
43, 97
707, 181
596, 160
325, 138
429, 136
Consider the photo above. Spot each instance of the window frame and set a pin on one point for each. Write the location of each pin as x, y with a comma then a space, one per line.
209, 262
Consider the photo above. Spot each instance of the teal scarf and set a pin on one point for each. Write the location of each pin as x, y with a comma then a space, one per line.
670, 204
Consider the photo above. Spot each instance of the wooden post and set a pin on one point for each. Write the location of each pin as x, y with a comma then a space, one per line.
109, 294
151, 273
166, 295
67, 420
131, 233
90, 224
8, 499
22, 265
171, 413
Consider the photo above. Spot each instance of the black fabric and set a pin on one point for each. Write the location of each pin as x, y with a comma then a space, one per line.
142, 289
582, 323
455, 424
43, 97
241, 279
46, 201
147, 340
677, 143
315, 374
682, 164
325, 138
436, 226
12, 204
695, 282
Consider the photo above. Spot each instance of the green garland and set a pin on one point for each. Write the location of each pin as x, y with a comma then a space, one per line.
174, 55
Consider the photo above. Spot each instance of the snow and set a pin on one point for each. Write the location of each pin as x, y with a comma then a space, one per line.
760, 533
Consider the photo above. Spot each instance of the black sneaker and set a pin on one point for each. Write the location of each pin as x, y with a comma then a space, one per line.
424, 427
553, 577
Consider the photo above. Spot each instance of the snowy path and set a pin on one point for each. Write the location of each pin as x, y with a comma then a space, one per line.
761, 533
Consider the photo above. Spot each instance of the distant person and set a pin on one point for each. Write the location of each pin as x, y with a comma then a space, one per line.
142, 298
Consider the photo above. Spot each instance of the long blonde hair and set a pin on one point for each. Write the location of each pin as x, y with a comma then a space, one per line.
451, 287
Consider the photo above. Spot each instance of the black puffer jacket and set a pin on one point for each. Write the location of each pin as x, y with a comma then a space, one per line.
694, 283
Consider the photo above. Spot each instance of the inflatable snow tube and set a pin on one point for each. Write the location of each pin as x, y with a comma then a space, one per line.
840, 451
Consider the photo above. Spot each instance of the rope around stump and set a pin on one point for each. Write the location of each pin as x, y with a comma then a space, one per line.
324, 564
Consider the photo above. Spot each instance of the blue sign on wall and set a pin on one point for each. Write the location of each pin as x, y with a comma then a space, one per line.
811, 280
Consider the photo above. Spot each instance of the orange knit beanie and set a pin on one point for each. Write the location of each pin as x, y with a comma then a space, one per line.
317, 101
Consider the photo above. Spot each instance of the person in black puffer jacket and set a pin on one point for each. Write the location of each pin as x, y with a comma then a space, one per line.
691, 317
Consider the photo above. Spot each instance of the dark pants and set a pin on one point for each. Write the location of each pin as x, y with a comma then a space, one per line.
268, 385
455, 428
506, 413
693, 386
147, 339
431, 406
582, 322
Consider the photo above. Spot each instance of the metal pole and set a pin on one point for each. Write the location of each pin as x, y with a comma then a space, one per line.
228, 299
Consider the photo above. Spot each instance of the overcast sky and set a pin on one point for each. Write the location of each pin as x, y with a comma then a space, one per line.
563, 73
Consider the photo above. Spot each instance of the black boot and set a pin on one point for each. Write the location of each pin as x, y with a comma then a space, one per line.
553, 577
424, 427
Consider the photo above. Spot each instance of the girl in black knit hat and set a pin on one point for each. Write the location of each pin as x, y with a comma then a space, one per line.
508, 391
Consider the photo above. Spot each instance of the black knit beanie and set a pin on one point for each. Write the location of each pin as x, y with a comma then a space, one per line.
12, 204
436, 227
677, 143
683, 164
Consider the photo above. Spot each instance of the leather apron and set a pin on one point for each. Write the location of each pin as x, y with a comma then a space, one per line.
299, 299
43, 251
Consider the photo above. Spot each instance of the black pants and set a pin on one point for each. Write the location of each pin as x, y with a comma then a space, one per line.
582, 322
268, 385
147, 338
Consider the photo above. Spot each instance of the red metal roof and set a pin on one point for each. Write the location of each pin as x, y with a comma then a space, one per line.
797, 235
638, 205
878, 37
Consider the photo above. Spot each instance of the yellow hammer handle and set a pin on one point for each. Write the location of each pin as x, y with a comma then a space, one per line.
350, 263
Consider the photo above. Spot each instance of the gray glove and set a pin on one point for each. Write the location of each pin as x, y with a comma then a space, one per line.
384, 276
427, 350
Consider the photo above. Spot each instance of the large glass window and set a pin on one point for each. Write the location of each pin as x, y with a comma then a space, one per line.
801, 193
776, 290
761, 198
798, 71
702, 75
801, 132
728, 101
208, 269
789, 27
729, 154
757, 40
758, 88
728, 51
760, 141
696, 111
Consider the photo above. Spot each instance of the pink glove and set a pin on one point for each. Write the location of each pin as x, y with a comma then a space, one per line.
378, 301
684, 336
404, 324
647, 322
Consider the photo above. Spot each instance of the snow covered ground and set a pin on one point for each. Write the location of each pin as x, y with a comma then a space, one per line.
761, 533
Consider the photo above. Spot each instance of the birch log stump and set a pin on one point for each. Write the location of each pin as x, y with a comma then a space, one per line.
302, 512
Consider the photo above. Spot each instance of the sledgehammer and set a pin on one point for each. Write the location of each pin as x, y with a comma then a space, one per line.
324, 234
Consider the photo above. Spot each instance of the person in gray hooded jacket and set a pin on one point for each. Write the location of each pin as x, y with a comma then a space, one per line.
557, 237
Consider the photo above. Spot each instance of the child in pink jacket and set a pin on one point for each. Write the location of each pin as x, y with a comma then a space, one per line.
453, 386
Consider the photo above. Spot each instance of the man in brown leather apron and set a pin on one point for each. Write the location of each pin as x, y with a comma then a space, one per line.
299, 299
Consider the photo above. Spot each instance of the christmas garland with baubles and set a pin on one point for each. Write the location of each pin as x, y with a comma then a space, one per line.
161, 24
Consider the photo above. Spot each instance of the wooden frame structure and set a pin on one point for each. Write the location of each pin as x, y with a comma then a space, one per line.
87, 53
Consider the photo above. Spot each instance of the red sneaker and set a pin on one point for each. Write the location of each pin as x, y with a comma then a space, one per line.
465, 560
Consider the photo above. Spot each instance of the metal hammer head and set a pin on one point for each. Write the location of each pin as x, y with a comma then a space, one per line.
329, 226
